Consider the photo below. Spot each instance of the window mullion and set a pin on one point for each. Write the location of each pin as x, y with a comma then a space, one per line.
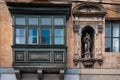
26, 35
111, 36
52, 35
119, 36
65, 34
39, 35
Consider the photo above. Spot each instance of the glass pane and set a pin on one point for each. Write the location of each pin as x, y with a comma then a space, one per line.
115, 29
45, 33
58, 36
46, 21
20, 21
40, 56
107, 44
108, 29
33, 21
58, 32
59, 40
32, 36
20, 32
20, 36
58, 21
115, 44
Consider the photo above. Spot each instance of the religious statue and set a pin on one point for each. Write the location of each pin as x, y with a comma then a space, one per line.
87, 43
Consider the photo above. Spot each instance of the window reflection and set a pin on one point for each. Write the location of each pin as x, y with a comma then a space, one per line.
20, 21
45, 34
115, 44
39, 30
112, 36
32, 36
20, 36
108, 29
58, 21
115, 29
45, 21
33, 21
107, 44
58, 36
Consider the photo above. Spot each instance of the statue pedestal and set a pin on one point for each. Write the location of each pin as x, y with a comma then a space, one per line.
88, 62
87, 54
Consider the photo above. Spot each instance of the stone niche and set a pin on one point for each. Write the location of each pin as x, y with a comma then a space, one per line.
88, 26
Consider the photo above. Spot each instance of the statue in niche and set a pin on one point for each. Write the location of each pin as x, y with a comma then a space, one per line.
87, 44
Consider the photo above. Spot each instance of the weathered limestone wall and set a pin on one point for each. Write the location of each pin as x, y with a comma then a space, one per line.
5, 36
111, 60
113, 11
70, 43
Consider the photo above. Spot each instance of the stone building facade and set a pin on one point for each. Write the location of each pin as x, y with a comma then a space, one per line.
59, 40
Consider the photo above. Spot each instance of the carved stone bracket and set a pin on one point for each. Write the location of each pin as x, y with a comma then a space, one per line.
40, 75
89, 62
76, 59
18, 74
100, 61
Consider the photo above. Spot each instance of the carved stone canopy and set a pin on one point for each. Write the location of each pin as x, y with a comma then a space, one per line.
88, 9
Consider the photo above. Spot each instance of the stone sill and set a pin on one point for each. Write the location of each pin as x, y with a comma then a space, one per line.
100, 71
93, 71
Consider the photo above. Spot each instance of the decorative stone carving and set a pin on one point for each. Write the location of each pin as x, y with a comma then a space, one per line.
88, 9
100, 61
76, 28
100, 28
76, 59
88, 62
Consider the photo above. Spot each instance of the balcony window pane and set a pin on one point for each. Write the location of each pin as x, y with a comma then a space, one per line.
45, 34
20, 21
33, 21
58, 36
20, 36
58, 21
32, 36
46, 21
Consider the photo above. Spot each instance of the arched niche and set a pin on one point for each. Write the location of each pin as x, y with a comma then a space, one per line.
87, 30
